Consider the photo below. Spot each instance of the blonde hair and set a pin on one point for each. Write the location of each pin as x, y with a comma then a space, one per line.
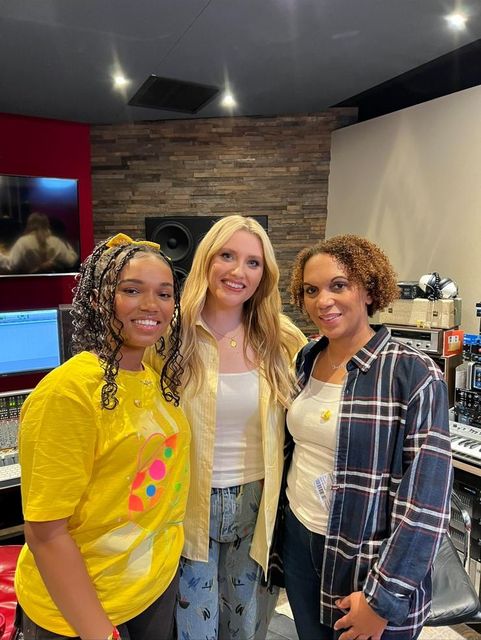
271, 335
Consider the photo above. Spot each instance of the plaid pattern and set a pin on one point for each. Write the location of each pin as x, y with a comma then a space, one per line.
392, 482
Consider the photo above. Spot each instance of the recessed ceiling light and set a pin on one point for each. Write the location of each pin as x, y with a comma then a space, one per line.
228, 100
456, 20
120, 81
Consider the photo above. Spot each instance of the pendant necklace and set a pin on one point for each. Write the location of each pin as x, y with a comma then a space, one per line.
232, 339
137, 401
325, 415
336, 367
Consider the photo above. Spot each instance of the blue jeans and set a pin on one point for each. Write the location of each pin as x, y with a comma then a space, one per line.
224, 597
303, 552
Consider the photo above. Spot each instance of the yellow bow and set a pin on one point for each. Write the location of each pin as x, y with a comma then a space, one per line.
123, 238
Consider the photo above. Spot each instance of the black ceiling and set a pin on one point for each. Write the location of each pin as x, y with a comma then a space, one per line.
454, 71
277, 56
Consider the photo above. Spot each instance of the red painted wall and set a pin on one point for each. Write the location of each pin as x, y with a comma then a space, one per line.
40, 147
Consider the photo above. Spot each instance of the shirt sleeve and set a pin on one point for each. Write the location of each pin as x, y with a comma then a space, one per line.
18, 254
421, 506
62, 252
58, 434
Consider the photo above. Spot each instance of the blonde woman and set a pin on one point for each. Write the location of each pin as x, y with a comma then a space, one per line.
238, 348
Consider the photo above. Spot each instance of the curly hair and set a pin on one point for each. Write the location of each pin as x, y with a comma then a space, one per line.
272, 336
364, 262
96, 327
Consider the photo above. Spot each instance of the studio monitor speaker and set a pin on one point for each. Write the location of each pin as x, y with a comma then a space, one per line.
179, 236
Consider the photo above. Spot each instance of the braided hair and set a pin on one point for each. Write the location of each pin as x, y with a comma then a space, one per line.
97, 329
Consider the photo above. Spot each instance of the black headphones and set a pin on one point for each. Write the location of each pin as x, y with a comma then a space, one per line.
432, 291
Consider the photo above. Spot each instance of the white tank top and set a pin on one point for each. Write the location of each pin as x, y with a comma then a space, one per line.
312, 420
238, 455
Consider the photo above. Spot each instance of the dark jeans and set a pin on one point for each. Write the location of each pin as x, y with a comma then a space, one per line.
157, 622
302, 553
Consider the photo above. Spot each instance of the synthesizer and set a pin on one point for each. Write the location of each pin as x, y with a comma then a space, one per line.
466, 442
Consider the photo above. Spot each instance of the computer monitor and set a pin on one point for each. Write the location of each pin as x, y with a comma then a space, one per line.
29, 341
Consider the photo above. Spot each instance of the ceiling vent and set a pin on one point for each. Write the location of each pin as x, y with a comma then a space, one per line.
173, 95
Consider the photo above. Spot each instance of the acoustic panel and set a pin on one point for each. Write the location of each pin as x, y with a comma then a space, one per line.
170, 94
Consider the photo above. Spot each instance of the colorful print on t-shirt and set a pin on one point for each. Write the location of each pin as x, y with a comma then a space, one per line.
153, 462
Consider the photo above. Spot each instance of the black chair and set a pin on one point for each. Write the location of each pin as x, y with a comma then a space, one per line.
455, 599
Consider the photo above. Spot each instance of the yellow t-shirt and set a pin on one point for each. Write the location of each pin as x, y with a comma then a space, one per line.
121, 478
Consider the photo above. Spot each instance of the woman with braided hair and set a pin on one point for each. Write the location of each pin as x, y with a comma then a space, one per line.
104, 449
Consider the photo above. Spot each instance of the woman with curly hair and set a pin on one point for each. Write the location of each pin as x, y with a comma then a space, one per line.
369, 469
104, 449
238, 350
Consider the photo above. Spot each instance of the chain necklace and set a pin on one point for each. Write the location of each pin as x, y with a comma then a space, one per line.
336, 367
232, 339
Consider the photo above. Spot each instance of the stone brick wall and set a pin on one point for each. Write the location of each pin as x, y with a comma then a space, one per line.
275, 166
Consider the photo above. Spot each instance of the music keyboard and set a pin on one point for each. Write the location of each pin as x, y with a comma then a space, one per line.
466, 442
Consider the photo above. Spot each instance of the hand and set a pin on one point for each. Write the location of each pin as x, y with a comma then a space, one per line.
361, 621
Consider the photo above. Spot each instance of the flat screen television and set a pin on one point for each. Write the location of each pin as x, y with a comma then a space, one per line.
29, 341
39, 226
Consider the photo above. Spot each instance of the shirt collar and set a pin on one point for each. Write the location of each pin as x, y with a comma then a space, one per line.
200, 323
365, 357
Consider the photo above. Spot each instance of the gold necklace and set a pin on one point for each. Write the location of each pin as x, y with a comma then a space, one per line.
336, 367
232, 339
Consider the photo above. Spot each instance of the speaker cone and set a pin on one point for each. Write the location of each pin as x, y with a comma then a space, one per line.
178, 237
175, 240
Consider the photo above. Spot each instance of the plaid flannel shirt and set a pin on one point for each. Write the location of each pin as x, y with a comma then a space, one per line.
392, 482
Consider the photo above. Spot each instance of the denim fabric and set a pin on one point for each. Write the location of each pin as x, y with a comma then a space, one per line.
223, 597
157, 622
302, 552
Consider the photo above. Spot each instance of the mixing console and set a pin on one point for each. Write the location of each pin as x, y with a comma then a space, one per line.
10, 405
